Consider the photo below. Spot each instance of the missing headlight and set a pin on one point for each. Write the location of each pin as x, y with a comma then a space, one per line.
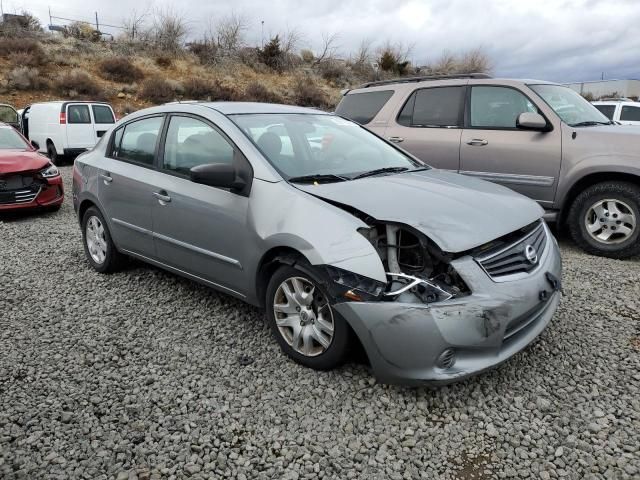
346, 281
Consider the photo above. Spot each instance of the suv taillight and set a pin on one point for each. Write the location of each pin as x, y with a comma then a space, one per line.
63, 118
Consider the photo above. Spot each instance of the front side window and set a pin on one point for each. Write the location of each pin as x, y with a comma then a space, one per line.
606, 110
299, 145
191, 142
102, 114
433, 107
363, 107
136, 141
570, 106
630, 114
78, 114
11, 140
498, 107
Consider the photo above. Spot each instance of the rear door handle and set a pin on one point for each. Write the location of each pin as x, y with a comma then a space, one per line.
162, 196
106, 177
477, 142
396, 139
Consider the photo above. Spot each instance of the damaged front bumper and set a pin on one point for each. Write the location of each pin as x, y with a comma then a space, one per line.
442, 342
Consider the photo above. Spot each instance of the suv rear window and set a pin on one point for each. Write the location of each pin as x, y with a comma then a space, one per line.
433, 107
362, 107
630, 114
607, 110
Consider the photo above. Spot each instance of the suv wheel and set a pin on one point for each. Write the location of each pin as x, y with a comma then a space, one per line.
605, 219
304, 322
98, 246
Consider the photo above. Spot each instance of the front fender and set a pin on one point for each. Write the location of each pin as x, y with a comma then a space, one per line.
283, 216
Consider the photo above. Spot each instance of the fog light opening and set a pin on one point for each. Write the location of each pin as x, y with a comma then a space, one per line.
446, 359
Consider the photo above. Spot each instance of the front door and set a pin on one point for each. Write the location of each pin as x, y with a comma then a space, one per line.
429, 126
199, 229
126, 185
80, 133
493, 148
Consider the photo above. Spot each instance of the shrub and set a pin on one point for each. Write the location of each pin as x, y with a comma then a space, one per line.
307, 56
272, 54
205, 50
157, 90
257, 92
333, 71
164, 61
26, 78
120, 69
9, 46
24, 59
307, 94
198, 89
78, 83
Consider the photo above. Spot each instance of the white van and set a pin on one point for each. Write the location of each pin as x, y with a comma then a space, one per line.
66, 128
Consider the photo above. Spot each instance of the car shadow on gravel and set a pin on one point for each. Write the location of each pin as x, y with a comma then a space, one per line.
27, 214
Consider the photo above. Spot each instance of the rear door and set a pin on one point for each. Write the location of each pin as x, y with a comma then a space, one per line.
103, 119
494, 149
126, 184
430, 124
79, 126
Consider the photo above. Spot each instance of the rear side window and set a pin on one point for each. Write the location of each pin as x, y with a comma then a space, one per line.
433, 107
78, 114
630, 114
102, 114
607, 110
136, 141
362, 107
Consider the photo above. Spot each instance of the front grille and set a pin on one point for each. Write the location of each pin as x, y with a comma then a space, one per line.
513, 259
16, 189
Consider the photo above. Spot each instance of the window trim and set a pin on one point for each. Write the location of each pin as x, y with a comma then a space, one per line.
460, 120
110, 145
467, 111
240, 160
69, 122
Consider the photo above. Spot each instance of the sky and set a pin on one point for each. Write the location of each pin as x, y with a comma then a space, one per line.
557, 40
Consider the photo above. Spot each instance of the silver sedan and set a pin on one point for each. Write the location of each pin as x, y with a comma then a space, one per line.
339, 235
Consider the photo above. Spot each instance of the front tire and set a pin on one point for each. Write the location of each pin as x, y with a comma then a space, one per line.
98, 246
52, 153
605, 220
304, 322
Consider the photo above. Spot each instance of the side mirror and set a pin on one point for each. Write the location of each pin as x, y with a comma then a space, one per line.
35, 144
531, 121
221, 175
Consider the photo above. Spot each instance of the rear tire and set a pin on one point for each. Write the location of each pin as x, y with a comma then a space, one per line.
307, 327
52, 153
605, 220
99, 248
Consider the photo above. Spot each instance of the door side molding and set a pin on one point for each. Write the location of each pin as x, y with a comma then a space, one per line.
512, 179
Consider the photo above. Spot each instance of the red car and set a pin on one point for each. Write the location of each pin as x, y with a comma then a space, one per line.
27, 179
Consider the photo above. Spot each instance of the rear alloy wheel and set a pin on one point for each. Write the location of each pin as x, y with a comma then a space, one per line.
304, 322
605, 220
98, 246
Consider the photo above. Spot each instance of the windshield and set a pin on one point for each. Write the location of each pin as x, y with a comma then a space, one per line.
570, 106
308, 145
11, 140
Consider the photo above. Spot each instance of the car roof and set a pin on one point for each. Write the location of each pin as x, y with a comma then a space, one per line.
238, 108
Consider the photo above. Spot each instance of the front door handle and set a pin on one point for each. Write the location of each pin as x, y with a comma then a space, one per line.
106, 178
162, 196
396, 139
477, 142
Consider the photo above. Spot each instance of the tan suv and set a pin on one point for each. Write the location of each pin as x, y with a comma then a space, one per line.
538, 138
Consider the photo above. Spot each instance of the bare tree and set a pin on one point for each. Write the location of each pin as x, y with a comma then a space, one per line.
134, 23
475, 61
228, 33
289, 41
329, 48
169, 30
363, 55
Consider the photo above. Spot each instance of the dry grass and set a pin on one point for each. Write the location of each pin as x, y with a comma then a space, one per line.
120, 69
27, 78
258, 92
79, 84
157, 90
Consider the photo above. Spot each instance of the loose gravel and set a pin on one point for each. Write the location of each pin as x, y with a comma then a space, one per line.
144, 375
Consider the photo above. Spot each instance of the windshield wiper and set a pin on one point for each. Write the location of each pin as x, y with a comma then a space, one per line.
318, 177
589, 123
378, 171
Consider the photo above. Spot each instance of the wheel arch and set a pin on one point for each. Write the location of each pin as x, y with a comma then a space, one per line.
589, 180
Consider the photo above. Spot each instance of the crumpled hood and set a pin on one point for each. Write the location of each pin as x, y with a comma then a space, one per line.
456, 212
16, 161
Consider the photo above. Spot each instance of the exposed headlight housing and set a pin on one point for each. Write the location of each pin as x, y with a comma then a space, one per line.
354, 284
50, 171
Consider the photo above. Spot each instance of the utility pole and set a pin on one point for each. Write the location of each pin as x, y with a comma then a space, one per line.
97, 23
262, 35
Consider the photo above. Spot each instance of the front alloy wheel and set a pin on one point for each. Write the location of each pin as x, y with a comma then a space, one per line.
303, 320
610, 221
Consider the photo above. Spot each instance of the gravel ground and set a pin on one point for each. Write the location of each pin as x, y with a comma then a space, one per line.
140, 375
